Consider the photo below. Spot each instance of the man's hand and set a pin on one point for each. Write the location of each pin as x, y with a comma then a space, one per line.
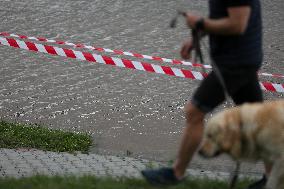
191, 20
186, 50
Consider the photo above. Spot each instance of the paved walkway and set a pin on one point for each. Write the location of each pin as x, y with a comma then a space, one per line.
24, 163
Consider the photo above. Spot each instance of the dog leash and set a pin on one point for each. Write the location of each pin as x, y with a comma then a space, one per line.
196, 35
196, 46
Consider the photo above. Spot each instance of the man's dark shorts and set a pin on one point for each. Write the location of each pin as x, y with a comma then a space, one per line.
241, 83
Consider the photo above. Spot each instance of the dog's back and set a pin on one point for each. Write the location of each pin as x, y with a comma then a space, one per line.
264, 123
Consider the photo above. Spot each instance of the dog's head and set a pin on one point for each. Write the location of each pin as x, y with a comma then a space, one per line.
222, 134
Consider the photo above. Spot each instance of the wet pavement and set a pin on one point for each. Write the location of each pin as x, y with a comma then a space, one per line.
126, 111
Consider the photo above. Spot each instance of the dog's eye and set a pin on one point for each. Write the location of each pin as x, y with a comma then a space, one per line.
209, 136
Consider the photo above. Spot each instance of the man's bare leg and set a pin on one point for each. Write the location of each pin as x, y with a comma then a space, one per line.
191, 139
190, 142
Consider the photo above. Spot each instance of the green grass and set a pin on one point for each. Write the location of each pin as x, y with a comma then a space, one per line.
89, 182
13, 135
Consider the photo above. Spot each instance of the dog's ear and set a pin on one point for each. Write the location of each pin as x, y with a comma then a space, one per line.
231, 141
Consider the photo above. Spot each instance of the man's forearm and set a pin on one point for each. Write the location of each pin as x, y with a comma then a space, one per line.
234, 24
223, 26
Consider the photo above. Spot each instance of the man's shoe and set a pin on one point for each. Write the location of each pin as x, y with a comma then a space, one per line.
162, 176
260, 184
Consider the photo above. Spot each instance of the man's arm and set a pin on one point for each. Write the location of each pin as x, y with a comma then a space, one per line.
234, 24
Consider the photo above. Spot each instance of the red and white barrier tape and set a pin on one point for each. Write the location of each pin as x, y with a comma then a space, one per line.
143, 66
120, 52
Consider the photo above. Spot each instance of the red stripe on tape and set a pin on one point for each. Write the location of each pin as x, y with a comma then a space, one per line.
89, 56
148, 67
137, 55
42, 39
60, 42
31, 46
168, 70
69, 53
50, 49
128, 63
79, 45
197, 65
108, 60
13, 43
157, 58
99, 49
23, 37
177, 62
118, 51
269, 86
188, 74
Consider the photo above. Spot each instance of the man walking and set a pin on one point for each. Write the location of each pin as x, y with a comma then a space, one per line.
235, 35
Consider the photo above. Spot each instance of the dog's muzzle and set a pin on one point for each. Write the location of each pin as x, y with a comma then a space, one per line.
203, 154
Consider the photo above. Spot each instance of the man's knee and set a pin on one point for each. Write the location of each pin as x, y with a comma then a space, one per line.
193, 114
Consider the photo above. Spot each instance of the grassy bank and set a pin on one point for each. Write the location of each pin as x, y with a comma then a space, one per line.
13, 135
88, 182
32, 136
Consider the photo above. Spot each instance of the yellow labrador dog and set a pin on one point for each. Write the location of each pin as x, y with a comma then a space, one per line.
253, 131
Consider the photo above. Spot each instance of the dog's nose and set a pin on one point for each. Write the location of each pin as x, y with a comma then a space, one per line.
201, 153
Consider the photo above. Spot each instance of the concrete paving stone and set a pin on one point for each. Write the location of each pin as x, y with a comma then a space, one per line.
66, 164
82, 156
101, 174
15, 156
40, 153
73, 171
5, 164
140, 167
51, 162
100, 157
61, 159
113, 158
2, 156
131, 170
27, 159
37, 167
121, 163
93, 156
51, 165
6, 151
89, 169
132, 175
22, 166
41, 157
72, 158
11, 168
25, 171
77, 162
109, 164
27, 155
12, 173
34, 161
118, 174
88, 162
98, 167
54, 155
43, 170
